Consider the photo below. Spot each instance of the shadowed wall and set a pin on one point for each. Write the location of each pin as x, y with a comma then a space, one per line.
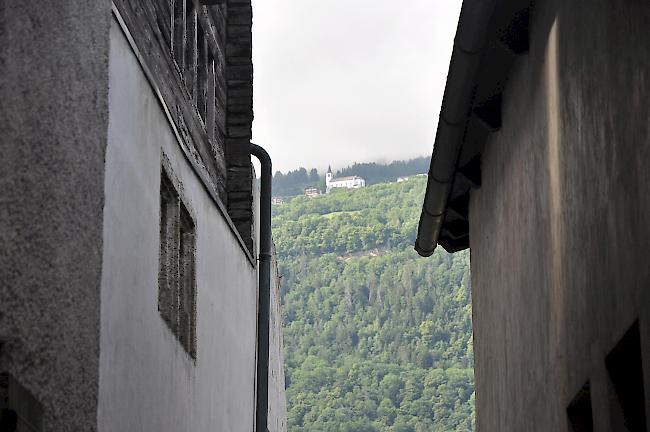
560, 226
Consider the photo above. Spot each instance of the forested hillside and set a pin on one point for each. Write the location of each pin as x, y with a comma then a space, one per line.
376, 338
375, 173
294, 182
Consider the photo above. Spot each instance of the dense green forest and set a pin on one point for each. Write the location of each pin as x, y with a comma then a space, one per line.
294, 182
375, 337
375, 173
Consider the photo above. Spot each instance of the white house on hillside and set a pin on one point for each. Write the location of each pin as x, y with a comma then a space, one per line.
312, 192
349, 182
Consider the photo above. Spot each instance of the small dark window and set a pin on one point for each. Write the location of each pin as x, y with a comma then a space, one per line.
19, 410
184, 41
164, 19
202, 74
193, 56
579, 411
176, 275
211, 108
190, 48
205, 79
187, 285
625, 369
178, 33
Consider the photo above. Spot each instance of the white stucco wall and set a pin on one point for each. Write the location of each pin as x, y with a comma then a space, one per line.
147, 381
349, 184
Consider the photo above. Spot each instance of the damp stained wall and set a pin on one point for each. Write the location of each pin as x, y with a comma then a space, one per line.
560, 228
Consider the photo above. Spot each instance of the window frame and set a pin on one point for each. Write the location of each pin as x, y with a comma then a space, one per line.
177, 291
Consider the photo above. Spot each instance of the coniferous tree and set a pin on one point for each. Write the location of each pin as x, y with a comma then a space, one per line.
376, 338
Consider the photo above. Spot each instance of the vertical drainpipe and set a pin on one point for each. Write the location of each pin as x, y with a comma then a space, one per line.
264, 273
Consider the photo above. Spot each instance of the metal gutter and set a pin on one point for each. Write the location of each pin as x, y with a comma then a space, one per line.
264, 274
469, 46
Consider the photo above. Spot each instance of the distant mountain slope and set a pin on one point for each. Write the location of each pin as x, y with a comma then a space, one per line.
375, 173
294, 182
376, 338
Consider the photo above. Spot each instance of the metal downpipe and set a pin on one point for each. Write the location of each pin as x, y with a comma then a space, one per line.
264, 273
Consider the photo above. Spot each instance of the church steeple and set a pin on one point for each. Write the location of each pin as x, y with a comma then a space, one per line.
329, 169
328, 177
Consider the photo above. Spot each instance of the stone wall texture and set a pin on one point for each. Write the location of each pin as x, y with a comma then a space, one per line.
560, 227
53, 122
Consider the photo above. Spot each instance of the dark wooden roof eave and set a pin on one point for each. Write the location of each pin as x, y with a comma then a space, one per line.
484, 76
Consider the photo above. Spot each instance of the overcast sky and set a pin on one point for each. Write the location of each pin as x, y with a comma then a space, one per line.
343, 81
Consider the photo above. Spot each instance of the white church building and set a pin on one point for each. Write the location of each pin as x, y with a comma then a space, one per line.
349, 182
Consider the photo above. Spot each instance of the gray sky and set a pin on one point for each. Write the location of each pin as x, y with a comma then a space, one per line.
343, 81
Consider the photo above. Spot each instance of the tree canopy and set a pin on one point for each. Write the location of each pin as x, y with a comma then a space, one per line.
375, 173
294, 182
376, 338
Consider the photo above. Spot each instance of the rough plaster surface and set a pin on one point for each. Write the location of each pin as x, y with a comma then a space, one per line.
53, 121
560, 228
277, 414
147, 381
277, 398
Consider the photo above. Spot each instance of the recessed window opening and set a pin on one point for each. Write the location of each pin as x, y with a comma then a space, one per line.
192, 54
190, 48
19, 410
187, 290
579, 411
625, 368
176, 274
211, 109
178, 33
164, 19
202, 74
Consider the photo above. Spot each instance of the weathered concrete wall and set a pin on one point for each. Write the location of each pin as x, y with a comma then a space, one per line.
53, 121
560, 228
147, 381
277, 398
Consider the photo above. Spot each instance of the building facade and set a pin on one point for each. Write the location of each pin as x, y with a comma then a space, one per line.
540, 167
130, 281
347, 182
312, 192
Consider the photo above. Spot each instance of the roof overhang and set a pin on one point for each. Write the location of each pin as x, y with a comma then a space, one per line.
490, 34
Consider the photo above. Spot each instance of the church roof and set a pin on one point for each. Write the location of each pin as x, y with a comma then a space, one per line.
346, 178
